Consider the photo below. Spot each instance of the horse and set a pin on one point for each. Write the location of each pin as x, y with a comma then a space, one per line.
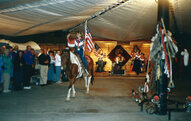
72, 72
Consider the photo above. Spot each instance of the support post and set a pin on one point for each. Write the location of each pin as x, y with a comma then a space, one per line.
163, 12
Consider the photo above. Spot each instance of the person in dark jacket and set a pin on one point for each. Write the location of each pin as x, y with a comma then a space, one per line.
18, 70
34, 57
44, 61
28, 58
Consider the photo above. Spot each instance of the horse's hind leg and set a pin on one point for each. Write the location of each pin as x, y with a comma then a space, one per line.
68, 95
88, 84
73, 91
85, 78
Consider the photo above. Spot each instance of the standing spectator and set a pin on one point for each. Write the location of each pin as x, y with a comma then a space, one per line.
37, 62
41, 51
44, 61
18, 70
15, 52
58, 66
28, 58
54, 64
2, 49
48, 50
33, 65
54, 52
10, 51
7, 65
51, 69
1, 64
11, 74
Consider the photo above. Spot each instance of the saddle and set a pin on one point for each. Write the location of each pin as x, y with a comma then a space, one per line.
74, 59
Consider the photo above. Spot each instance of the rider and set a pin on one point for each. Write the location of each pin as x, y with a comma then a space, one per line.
78, 45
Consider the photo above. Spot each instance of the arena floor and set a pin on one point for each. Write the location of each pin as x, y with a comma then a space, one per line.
109, 100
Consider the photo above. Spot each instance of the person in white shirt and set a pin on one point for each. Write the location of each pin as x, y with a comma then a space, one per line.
58, 66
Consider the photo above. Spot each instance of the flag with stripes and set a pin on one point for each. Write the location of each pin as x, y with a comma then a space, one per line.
97, 49
88, 38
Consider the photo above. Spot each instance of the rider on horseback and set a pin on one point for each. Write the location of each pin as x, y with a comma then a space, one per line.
78, 45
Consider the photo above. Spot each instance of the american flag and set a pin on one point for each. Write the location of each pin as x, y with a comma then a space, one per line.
97, 49
88, 37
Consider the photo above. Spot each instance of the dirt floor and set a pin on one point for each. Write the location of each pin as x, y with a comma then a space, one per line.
109, 100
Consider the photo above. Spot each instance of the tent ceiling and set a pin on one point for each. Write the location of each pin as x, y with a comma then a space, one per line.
47, 15
135, 19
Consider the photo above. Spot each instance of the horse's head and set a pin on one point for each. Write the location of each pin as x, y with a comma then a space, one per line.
65, 57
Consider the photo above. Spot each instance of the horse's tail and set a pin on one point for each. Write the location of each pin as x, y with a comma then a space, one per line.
90, 68
92, 73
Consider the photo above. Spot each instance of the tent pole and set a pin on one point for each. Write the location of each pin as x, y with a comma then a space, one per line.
163, 12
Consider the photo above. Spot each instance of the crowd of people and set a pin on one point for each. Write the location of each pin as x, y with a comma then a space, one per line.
17, 67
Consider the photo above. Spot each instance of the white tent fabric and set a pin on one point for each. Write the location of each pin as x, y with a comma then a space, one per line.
22, 46
135, 19
131, 21
47, 15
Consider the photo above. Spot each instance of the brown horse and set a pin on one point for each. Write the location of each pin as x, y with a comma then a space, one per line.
72, 72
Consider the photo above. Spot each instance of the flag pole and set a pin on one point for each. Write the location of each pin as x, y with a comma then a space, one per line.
85, 37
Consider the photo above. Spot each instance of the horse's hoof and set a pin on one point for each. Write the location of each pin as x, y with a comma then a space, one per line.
67, 99
73, 95
87, 92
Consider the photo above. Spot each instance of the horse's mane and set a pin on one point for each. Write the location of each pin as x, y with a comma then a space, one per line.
68, 58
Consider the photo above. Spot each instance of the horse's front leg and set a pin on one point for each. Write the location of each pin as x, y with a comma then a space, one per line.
68, 95
73, 91
88, 84
71, 87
